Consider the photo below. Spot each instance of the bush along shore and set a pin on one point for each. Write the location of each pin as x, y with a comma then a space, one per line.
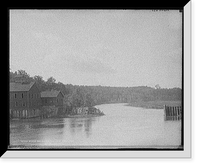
83, 112
154, 104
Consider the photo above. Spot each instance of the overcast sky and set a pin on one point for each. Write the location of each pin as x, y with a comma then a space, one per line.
99, 47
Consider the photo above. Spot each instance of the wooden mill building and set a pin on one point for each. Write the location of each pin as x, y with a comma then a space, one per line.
24, 95
27, 101
52, 98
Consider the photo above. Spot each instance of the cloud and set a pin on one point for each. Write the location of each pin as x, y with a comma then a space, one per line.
92, 66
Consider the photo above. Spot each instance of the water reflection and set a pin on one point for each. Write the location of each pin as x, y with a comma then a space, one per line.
32, 132
121, 126
19, 126
50, 131
82, 124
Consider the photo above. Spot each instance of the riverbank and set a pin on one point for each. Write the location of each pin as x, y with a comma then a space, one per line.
84, 115
154, 104
80, 112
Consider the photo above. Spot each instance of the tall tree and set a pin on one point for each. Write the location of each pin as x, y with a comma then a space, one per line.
38, 79
157, 86
51, 83
23, 73
89, 101
20, 76
39, 82
51, 80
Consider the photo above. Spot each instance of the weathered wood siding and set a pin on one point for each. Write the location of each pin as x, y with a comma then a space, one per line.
34, 97
19, 100
25, 99
57, 101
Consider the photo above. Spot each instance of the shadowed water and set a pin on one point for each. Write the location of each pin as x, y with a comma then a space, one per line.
121, 126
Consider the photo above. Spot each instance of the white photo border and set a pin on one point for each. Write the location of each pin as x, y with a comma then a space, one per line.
185, 153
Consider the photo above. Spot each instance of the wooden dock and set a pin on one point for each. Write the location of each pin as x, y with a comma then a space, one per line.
172, 113
24, 114
44, 112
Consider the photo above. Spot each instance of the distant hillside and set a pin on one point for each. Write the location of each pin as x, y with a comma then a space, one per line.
104, 94
157, 104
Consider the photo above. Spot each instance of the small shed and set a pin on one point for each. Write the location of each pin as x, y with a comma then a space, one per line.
52, 97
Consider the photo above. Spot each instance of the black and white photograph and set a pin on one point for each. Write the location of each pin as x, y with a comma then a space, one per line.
96, 79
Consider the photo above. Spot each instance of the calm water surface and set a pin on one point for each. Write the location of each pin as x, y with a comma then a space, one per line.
121, 126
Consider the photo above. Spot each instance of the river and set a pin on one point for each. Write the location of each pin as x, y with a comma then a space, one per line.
121, 126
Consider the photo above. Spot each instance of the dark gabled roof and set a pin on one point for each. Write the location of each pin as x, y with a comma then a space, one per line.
20, 87
51, 93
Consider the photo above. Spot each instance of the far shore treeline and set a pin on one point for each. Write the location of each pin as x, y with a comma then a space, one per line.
77, 96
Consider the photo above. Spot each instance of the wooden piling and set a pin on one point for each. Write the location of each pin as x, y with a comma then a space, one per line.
179, 113
175, 114
172, 113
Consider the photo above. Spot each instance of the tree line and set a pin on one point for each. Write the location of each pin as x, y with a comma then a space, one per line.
77, 96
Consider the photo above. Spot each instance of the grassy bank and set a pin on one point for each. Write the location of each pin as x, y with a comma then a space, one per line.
154, 104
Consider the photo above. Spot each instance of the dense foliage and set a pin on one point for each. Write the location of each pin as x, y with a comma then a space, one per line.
76, 96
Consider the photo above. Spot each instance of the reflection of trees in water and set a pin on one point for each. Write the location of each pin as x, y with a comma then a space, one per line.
26, 132
77, 124
26, 125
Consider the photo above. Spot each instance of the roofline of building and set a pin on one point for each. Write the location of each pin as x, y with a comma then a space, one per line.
62, 93
23, 90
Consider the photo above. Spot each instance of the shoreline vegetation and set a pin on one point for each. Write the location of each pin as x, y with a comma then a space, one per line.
80, 96
80, 112
154, 104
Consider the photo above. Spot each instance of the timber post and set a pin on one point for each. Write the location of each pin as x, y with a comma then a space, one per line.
172, 113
